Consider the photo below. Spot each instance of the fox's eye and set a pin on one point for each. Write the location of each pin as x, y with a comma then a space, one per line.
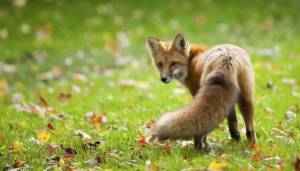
174, 63
159, 65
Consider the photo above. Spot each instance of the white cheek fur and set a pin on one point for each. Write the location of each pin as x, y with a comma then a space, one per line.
176, 71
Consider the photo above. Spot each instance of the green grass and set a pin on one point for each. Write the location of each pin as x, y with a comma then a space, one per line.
87, 33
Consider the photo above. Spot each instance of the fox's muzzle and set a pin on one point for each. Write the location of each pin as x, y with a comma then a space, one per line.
164, 79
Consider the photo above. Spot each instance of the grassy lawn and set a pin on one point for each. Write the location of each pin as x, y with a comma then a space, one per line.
76, 76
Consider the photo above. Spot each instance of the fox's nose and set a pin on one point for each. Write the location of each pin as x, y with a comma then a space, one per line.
164, 79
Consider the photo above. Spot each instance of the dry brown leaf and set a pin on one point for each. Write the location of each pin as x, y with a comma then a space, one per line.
96, 119
167, 147
86, 137
43, 101
69, 154
19, 164
256, 157
50, 126
52, 148
2, 138
64, 96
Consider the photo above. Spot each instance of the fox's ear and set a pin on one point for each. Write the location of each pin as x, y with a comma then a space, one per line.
153, 45
180, 44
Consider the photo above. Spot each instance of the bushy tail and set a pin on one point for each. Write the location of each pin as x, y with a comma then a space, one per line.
210, 106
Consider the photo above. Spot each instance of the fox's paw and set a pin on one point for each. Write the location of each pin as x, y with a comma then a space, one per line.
200, 143
251, 136
235, 135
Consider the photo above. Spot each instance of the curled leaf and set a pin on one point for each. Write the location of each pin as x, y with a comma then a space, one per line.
86, 137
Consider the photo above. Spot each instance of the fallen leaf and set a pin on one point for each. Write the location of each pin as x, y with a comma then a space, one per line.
19, 164
257, 148
151, 166
80, 78
2, 137
290, 115
96, 119
142, 140
17, 147
52, 148
218, 166
127, 83
149, 124
96, 161
3, 86
43, 101
143, 85
268, 110
76, 89
44, 32
89, 145
34, 141
19, 3
3, 33
69, 154
64, 96
7, 68
83, 135
43, 135
53, 160
54, 73
256, 157
50, 126
167, 147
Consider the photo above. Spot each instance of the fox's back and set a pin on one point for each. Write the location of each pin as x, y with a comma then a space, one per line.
214, 56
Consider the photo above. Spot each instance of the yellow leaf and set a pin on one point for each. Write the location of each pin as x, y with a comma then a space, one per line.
214, 166
17, 146
43, 136
3, 86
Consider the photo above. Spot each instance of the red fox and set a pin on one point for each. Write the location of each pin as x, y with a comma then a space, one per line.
217, 78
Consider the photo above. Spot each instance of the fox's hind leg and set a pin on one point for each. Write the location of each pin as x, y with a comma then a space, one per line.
247, 109
200, 142
246, 104
233, 125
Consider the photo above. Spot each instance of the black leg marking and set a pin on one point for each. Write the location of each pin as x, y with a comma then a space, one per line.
200, 142
251, 136
233, 125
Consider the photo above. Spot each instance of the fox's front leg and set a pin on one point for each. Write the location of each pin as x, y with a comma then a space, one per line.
200, 142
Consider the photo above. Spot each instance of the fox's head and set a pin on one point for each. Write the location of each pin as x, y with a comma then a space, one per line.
170, 58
